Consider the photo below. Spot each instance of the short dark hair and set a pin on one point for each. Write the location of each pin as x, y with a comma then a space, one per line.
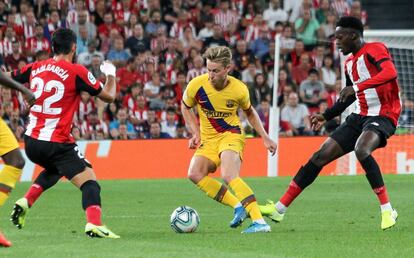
313, 71
351, 22
62, 41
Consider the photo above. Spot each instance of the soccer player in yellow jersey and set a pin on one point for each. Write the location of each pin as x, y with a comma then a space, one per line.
219, 139
9, 150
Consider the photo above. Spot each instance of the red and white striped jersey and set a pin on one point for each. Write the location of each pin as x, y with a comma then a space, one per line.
56, 86
225, 18
34, 45
374, 77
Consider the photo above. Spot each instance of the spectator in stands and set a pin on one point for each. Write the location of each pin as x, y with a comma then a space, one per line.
328, 74
155, 132
54, 22
83, 22
318, 55
217, 39
85, 58
300, 72
38, 42
155, 23
152, 91
263, 110
129, 27
16, 124
242, 56
128, 75
225, 16
12, 61
260, 46
296, 116
137, 42
294, 57
260, 90
138, 113
86, 105
287, 41
82, 40
198, 69
356, 11
92, 125
129, 99
96, 61
181, 132
268, 59
327, 29
274, 14
207, 31
122, 118
76, 133
105, 28
110, 111
29, 25
341, 7
306, 29
118, 55
312, 90
99, 13
250, 73
285, 86
189, 40
172, 12
169, 125
322, 12
292, 7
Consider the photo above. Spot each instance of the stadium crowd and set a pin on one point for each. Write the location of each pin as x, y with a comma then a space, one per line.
157, 45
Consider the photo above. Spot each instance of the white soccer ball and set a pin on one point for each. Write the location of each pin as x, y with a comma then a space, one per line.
184, 219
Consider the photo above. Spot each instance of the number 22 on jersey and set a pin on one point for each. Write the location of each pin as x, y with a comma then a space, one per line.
37, 84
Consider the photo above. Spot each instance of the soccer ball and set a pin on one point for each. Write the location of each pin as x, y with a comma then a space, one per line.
184, 219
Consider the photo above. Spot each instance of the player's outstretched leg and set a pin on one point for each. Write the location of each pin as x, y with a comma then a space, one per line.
45, 180
198, 171
366, 144
306, 175
219, 192
91, 203
246, 195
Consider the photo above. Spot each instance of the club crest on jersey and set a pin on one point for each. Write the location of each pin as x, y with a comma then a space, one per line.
230, 103
91, 78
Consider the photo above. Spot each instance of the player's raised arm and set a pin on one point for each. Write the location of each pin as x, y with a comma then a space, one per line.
254, 120
109, 91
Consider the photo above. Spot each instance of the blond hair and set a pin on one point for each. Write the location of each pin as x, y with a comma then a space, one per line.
218, 54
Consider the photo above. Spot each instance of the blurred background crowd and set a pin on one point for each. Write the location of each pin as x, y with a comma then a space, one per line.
157, 47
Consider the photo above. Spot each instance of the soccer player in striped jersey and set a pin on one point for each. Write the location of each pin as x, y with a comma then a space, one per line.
371, 82
219, 139
57, 83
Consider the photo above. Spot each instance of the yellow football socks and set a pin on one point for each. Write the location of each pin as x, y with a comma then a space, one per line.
8, 178
245, 194
217, 191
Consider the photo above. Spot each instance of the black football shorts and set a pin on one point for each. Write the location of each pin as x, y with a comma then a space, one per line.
63, 158
346, 135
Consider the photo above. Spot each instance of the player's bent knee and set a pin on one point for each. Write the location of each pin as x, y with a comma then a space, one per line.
83, 177
195, 175
14, 158
361, 153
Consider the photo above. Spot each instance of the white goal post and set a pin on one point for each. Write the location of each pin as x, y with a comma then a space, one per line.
401, 46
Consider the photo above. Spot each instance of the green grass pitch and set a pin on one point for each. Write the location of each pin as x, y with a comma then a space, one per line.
335, 217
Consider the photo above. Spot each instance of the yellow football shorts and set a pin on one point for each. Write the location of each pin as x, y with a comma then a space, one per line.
8, 141
212, 148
